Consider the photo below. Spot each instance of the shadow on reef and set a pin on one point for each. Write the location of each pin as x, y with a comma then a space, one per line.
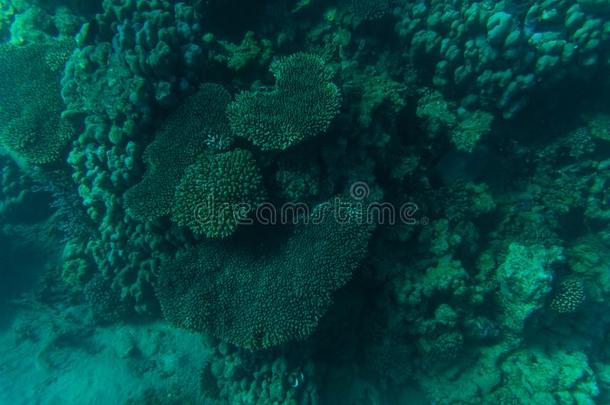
233, 25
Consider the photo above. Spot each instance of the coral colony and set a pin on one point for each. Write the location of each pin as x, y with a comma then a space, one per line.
345, 201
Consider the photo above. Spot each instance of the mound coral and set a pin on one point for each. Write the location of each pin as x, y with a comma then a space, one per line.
301, 106
494, 55
216, 192
569, 297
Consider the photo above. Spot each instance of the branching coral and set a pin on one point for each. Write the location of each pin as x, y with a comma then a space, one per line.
33, 22
437, 114
301, 106
262, 299
465, 128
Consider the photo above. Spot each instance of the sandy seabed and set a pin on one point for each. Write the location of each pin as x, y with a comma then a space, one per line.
52, 355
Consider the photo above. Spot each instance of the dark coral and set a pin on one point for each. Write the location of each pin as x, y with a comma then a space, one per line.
259, 300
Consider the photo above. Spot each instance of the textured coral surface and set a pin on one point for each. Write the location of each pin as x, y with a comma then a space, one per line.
305, 201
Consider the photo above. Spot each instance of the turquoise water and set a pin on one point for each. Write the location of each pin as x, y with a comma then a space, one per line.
304, 202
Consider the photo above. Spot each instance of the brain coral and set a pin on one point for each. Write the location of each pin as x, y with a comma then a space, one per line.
30, 101
182, 137
257, 299
301, 106
216, 191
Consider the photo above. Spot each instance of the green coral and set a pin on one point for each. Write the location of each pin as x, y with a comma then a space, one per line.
465, 128
505, 375
378, 90
470, 130
76, 269
569, 297
428, 293
558, 377
588, 258
442, 349
187, 132
239, 377
599, 125
301, 106
36, 138
492, 55
136, 62
30, 101
258, 300
217, 192
525, 279
436, 113
598, 193
447, 277
250, 50
297, 183
33, 22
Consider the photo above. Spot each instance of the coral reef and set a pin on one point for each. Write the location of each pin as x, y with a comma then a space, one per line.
469, 46
359, 201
